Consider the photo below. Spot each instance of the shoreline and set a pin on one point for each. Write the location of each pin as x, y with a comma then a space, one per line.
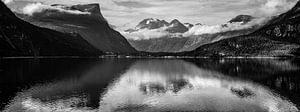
150, 57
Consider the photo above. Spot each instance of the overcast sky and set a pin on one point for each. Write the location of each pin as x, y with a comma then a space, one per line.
120, 12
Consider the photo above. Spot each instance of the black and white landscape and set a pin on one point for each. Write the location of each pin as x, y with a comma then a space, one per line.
149, 55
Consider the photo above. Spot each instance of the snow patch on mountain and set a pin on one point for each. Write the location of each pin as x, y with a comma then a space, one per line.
151, 20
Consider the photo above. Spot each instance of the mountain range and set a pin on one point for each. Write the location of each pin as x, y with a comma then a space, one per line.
172, 42
92, 26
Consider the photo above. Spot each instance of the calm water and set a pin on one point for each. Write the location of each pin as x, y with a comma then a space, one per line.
149, 85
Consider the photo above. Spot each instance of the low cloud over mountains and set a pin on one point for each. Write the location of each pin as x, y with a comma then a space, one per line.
155, 28
30, 9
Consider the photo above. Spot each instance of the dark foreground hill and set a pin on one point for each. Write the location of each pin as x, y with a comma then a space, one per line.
19, 38
91, 26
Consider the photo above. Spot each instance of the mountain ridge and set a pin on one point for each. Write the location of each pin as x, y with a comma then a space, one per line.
92, 27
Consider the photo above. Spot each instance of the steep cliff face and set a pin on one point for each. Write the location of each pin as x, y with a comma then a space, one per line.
279, 37
91, 26
19, 38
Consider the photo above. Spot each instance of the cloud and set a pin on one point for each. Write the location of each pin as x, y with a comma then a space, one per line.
211, 29
144, 34
7, 1
30, 9
272, 7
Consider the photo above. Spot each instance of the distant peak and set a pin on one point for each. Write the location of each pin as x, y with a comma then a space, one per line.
242, 18
151, 20
177, 27
175, 21
58, 5
92, 8
199, 24
151, 23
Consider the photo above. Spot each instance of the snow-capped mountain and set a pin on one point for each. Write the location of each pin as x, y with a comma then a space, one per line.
175, 26
159, 36
151, 23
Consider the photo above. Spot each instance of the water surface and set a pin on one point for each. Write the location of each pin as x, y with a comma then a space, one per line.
149, 85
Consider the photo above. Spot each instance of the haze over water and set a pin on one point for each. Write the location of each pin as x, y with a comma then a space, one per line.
149, 85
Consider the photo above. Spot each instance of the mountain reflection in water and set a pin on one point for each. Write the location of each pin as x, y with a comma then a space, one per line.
126, 85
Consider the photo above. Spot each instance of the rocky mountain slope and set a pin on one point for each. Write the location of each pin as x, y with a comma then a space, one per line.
19, 38
279, 37
92, 26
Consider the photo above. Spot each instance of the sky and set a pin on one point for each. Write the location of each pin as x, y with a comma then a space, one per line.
211, 12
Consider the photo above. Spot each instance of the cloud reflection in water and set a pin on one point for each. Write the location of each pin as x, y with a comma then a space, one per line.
154, 85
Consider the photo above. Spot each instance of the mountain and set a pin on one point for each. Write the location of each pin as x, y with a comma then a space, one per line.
19, 38
176, 27
279, 37
151, 23
242, 18
174, 41
91, 25
168, 43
